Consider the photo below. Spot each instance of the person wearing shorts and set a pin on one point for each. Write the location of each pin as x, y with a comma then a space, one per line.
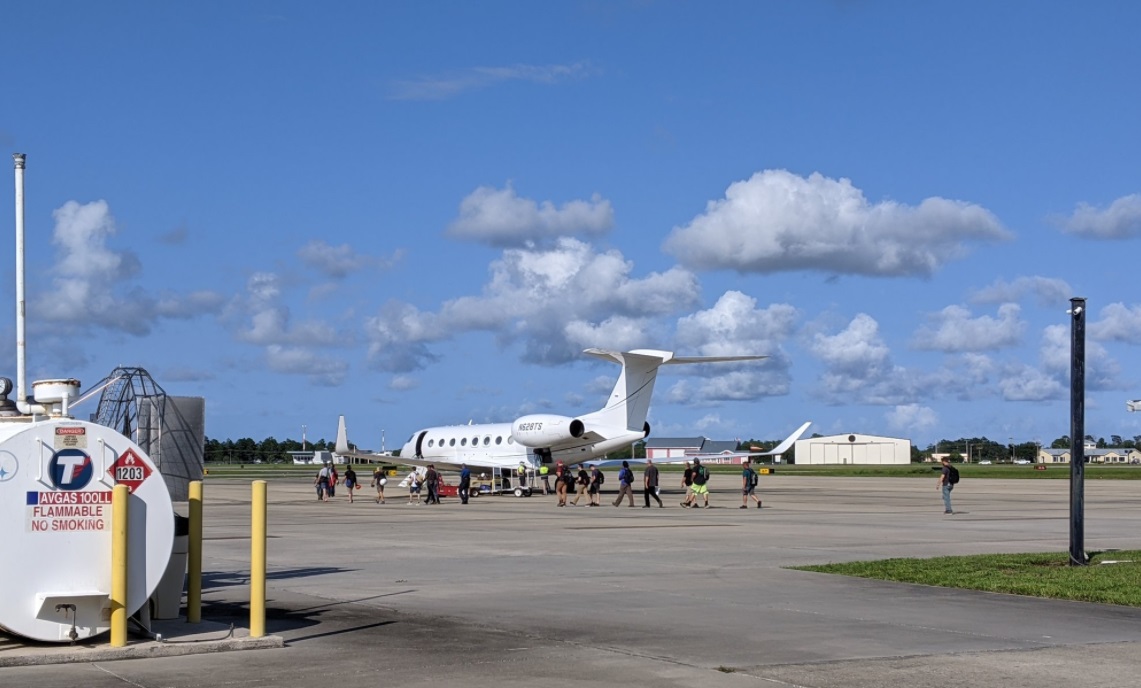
413, 487
379, 480
594, 487
350, 481
749, 486
700, 483
687, 486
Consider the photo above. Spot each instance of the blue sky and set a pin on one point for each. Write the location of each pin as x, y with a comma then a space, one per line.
420, 213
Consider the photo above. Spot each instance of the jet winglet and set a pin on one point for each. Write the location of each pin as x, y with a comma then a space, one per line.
342, 447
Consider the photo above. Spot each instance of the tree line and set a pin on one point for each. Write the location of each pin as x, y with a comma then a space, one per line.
269, 450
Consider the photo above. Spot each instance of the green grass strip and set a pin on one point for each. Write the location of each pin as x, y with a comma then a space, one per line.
1035, 575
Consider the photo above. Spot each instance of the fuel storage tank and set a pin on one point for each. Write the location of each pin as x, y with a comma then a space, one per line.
56, 480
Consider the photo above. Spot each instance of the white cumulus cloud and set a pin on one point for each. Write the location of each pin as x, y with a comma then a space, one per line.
859, 369
1118, 322
953, 329
320, 370
1121, 220
337, 262
731, 327
553, 300
499, 217
912, 419
1047, 291
91, 281
778, 221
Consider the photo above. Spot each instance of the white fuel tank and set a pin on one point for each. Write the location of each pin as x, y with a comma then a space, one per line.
56, 478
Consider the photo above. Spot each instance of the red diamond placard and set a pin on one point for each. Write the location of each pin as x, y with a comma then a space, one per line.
130, 470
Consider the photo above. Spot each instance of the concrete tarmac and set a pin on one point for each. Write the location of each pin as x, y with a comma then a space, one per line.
517, 592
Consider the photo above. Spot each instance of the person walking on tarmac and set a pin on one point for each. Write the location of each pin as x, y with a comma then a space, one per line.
543, 470
595, 486
350, 481
379, 480
560, 482
322, 483
432, 479
687, 486
625, 482
465, 483
650, 484
749, 480
583, 482
700, 480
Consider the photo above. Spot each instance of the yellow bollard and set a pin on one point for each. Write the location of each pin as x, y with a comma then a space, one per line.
257, 560
119, 497
194, 556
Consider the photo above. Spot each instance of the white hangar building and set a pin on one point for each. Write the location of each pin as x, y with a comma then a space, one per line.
852, 449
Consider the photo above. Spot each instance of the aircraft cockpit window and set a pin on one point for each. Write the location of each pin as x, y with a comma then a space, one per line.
463, 442
411, 438
499, 440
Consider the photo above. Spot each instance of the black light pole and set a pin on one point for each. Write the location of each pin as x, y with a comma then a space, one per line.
1077, 431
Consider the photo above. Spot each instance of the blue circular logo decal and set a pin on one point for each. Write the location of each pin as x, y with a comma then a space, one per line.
70, 469
8, 466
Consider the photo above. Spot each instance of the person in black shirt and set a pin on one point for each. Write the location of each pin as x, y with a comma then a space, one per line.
350, 481
687, 485
432, 478
650, 484
583, 482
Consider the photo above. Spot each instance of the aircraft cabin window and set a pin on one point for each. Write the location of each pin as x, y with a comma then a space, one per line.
463, 442
431, 443
510, 439
474, 441
499, 440
486, 441
452, 442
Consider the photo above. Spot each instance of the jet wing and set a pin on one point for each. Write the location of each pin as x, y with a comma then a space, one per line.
779, 449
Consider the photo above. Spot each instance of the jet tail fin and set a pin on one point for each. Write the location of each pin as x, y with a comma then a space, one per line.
629, 403
342, 446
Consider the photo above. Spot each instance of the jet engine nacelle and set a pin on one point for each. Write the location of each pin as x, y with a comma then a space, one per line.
543, 430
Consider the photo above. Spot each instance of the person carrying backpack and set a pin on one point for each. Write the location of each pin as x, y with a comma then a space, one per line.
948, 477
625, 481
749, 480
596, 479
700, 480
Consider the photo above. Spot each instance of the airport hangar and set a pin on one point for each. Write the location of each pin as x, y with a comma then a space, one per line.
852, 449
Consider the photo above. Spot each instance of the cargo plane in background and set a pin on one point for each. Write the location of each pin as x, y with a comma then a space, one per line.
542, 439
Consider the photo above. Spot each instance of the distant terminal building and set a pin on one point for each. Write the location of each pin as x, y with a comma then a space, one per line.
1110, 455
678, 448
852, 449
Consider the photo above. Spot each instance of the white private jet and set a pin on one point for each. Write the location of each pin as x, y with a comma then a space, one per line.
538, 439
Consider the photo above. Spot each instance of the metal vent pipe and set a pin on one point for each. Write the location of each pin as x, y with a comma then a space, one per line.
21, 345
